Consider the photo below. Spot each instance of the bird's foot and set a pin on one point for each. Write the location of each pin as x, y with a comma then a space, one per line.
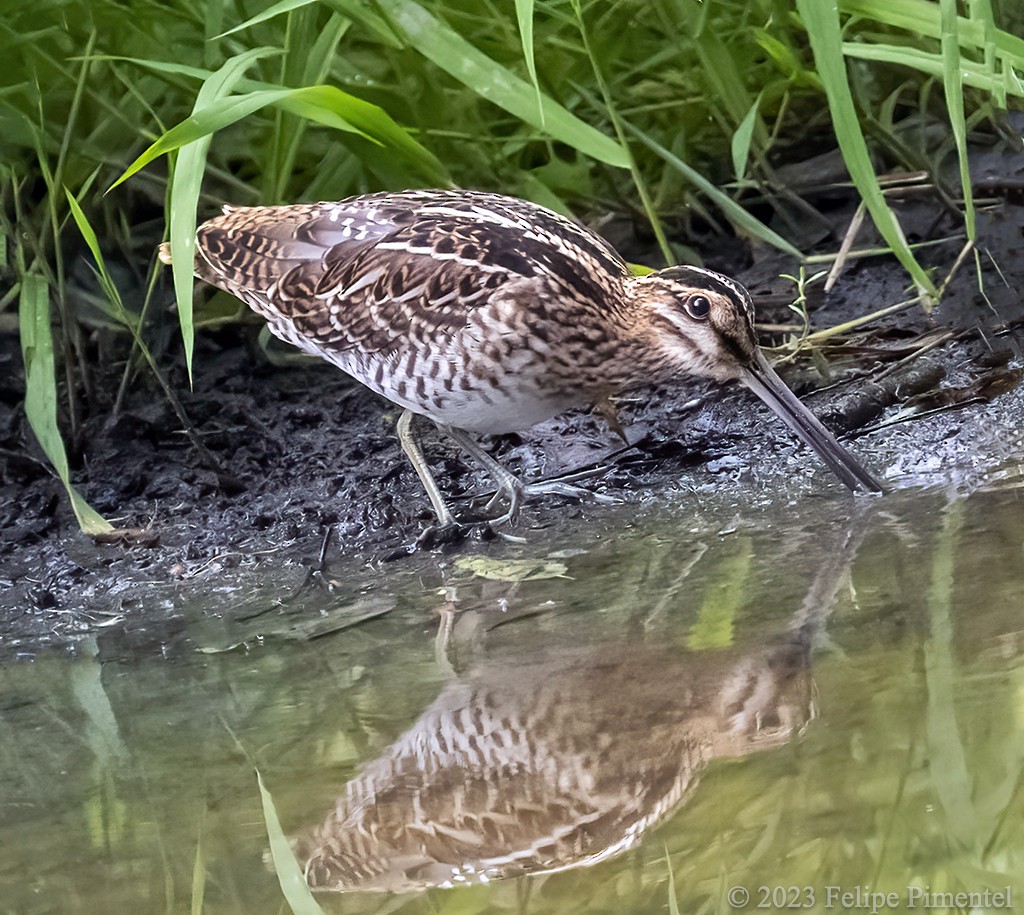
442, 535
454, 532
565, 486
513, 491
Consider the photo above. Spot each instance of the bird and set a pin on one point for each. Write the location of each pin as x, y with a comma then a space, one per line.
548, 759
488, 314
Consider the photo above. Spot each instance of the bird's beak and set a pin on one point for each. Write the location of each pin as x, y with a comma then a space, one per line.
760, 377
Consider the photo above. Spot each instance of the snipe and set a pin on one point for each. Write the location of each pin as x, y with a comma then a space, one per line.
488, 314
534, 764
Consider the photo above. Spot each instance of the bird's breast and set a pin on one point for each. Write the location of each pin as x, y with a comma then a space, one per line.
509, 365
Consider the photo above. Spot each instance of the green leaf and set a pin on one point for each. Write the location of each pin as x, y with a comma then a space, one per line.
41, 392
223, 113
736, 214
511, 569
283, 6
359, 11
524, 14
289, 875
452, 53
186, 185
923, 18
974, 75
325, 105
110, 290
821, 20
741, 140
952, 81
639, 269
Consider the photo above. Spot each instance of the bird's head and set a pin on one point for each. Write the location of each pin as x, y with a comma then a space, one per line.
702, 323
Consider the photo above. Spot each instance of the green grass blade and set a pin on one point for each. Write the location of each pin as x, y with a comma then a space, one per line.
974, 75
609, 103
952, 81
284, 6
326, 105
524, 14
924, 18
184, 194
41, 392
289, 875
166, 67
359, 11
742, 139
738, 216
107, 284
218, 115
723, 75
199, 875
323, 103
212, 109
460, 59
981, 11
821, 20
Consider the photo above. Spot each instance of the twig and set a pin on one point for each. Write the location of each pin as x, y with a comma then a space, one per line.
844, 249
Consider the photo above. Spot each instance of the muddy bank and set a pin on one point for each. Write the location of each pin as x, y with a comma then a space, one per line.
297, 450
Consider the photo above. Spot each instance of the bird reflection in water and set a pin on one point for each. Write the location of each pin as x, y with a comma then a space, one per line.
561, 757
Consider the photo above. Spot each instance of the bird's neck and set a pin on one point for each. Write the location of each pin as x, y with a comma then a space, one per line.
638, 358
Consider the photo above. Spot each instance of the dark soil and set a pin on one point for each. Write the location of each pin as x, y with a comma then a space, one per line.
299, 450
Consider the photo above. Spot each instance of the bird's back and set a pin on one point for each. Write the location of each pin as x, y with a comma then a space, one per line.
439, 300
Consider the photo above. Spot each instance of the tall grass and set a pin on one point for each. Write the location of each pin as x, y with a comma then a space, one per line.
669, 112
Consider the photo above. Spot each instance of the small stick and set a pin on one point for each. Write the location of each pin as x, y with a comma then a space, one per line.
844, 249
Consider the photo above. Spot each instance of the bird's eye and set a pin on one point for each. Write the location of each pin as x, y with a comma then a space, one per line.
698, 306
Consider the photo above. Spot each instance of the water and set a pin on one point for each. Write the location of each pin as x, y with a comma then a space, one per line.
788, 703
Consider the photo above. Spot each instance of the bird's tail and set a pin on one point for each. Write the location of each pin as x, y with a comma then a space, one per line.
164, 252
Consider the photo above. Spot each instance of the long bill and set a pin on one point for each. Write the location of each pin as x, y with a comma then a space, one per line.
760, 377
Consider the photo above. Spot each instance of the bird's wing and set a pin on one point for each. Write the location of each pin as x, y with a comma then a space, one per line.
367, 271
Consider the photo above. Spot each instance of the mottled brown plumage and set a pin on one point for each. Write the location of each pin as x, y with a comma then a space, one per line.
487, 314
535, 764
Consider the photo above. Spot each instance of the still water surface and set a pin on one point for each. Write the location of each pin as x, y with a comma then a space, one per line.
667, 710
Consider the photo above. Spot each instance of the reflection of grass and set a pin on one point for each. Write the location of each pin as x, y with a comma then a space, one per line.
199, 872
289, 874
673, 903
911, 777
724, 597
947, 765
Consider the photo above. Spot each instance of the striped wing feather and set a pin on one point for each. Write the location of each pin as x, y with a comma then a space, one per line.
385, 270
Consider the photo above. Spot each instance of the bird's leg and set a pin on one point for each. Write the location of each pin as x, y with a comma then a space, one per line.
509, 485
412, 451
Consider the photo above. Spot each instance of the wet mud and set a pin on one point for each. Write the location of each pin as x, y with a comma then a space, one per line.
295, 452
